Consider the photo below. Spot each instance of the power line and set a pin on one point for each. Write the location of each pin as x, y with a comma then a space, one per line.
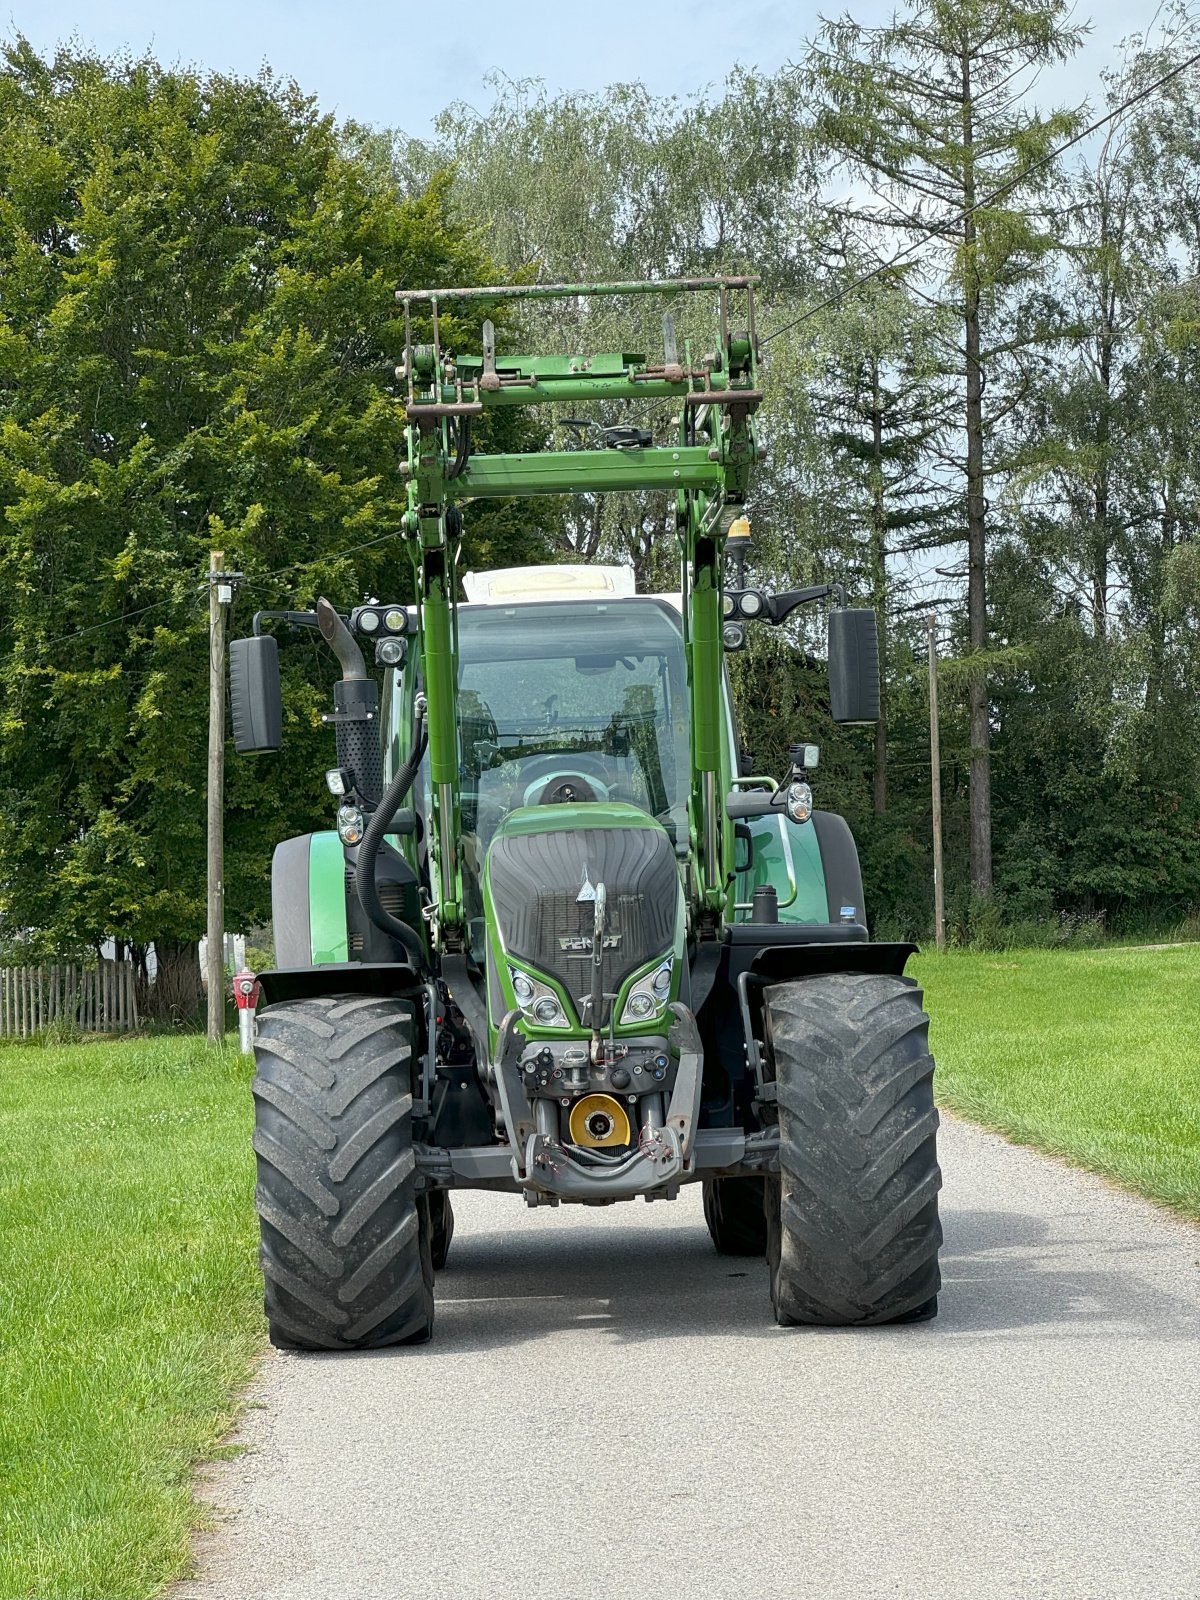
987, 200
155, 605
126, 616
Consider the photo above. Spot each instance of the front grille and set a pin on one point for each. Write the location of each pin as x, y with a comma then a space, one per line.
536, 880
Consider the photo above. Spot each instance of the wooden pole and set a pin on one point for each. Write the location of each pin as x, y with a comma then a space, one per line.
935, 774
215, 962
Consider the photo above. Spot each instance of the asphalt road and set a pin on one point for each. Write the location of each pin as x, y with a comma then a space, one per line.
607, 1410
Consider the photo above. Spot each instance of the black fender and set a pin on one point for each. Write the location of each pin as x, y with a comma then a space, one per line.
754, 955
839, 862
381, 978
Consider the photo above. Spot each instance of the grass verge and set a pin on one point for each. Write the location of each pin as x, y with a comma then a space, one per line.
1090, 1055
130, 1305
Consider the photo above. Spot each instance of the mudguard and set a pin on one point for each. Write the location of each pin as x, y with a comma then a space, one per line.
812, 866
311, 893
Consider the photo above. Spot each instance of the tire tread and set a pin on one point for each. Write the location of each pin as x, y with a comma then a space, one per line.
345, 1253
853, 1230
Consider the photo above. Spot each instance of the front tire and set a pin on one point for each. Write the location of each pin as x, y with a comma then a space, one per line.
852, 1221
345, 1248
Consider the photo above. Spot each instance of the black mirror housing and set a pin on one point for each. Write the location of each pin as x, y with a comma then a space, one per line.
256, 702
853, 665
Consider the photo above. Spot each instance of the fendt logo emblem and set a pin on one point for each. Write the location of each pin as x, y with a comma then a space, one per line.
587, 892
583, 942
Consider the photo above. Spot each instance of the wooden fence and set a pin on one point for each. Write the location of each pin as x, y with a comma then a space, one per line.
98, 999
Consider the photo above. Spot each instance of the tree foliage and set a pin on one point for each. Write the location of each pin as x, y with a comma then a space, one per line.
196, 327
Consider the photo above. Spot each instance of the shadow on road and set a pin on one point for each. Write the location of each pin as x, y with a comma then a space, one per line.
1008, 1270
634, 1283
1005, 1273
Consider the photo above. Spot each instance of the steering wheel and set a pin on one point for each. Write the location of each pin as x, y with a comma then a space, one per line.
591, 770
565, 790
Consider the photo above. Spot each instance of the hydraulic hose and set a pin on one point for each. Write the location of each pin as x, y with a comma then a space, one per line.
462, 449
368, 850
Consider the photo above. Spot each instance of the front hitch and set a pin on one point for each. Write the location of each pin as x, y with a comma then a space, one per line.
542, 1163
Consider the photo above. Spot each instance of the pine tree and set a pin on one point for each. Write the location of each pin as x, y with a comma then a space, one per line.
930, 113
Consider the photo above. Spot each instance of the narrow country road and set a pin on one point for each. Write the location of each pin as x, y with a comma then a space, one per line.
606, 1410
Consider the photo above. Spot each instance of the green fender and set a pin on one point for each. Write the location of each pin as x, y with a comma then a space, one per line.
812, 866
308, 901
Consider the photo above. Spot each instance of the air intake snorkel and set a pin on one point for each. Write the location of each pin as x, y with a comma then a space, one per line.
355, 707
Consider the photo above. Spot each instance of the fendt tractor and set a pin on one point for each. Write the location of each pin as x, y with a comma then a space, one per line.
558, 943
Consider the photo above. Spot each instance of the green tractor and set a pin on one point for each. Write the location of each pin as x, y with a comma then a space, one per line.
558, 944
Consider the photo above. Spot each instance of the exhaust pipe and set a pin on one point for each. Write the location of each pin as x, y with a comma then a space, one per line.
341, 641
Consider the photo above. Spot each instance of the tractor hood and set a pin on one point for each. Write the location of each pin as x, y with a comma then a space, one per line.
543, 868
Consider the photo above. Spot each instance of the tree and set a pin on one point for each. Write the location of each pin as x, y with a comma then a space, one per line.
196, 324
1106, 508
882, 412
931, 113
617, 186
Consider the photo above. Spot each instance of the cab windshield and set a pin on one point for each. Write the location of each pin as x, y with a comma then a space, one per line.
572, 700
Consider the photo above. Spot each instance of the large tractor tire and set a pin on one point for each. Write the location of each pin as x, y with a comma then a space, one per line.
852, 1221
735, 1214
346, 1249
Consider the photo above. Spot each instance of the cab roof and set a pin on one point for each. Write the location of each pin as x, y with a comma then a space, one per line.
510, 586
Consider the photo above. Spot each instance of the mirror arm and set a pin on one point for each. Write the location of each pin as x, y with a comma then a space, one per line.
297, 619
781, 606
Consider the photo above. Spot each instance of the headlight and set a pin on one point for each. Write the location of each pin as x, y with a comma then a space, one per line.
350, 824
649, 995
537, 1001
799, 802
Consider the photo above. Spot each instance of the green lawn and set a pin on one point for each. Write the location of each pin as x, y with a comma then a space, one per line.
1093, 1055
130, 1303
130, 1306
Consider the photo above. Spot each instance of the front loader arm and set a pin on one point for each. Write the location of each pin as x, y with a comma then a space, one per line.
708, 469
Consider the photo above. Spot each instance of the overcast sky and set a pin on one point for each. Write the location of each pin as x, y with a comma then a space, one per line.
398, 64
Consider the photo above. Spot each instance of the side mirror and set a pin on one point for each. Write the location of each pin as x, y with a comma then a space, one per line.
853, 665
256, 702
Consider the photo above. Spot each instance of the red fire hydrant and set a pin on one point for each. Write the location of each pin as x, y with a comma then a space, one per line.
246, 990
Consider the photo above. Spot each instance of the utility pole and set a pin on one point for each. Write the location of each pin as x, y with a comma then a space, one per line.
935, 774
220, 595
